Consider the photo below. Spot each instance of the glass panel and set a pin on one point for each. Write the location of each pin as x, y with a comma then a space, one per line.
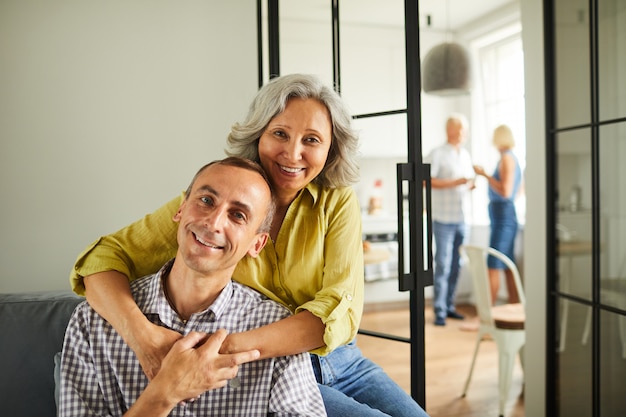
613, 215
383, 145
573, 219
572, 62
612, 58
612, 364
574, 364
306, 38
383, 136
372, 55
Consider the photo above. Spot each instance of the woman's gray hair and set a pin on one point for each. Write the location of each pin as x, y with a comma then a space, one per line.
341, 168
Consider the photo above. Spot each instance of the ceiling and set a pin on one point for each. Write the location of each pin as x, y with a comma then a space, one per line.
444, 14
458, 12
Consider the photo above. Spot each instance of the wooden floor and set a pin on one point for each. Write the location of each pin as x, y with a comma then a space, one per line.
448, 357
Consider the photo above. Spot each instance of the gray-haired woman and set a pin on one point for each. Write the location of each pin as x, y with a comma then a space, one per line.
300, 131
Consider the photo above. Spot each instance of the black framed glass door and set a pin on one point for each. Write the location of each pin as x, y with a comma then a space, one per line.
376, 70
586, 149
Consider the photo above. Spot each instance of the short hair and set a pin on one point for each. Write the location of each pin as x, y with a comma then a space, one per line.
503, 137
243, 163
342, 167
457, 118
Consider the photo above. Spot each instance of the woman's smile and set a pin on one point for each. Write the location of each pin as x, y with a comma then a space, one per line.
294, 147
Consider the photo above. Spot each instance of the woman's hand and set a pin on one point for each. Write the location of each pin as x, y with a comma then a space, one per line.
109, 294
479, 170
295, 334
151, 344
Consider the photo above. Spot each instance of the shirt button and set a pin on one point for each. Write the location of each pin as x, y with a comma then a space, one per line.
349, 297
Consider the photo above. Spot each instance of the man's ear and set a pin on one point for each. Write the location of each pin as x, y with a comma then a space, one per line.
176, 217
258, 244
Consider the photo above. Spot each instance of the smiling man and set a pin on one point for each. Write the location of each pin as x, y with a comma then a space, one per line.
225, 216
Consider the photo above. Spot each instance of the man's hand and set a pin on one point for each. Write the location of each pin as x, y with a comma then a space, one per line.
191, 367
109, 294
194, 365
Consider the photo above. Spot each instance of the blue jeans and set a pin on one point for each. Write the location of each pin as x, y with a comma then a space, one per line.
448, 238
352, 385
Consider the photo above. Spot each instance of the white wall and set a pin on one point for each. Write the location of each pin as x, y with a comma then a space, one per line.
107, 109
535, 227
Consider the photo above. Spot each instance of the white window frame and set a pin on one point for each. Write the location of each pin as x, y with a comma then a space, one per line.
497, 98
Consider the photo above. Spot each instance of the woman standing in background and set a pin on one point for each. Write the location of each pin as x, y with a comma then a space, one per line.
504, 186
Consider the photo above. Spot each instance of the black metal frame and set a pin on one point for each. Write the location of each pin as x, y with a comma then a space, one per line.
553, 290
551, 181
414, 172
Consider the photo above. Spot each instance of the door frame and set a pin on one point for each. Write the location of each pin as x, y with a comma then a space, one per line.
414, 172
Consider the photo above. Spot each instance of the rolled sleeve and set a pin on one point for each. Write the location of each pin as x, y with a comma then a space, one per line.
339, 302
135, 250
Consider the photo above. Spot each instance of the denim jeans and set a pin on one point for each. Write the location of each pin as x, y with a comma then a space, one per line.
448, 238
352, 385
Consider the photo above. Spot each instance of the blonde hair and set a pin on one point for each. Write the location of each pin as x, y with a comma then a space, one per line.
503, 137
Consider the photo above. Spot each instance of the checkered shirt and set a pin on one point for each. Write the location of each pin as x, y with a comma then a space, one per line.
100, 375
451, 205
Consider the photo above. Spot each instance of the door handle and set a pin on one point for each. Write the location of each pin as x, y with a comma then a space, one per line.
420, 240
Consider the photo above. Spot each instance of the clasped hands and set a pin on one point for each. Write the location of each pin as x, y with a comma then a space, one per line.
187, 366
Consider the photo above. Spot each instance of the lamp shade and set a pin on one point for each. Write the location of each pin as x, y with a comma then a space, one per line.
446, 70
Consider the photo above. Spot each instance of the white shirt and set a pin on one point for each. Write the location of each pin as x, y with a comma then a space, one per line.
451, 205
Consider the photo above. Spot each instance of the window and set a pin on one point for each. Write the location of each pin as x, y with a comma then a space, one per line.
498, 99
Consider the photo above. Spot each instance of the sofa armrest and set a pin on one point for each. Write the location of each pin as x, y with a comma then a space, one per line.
32, 327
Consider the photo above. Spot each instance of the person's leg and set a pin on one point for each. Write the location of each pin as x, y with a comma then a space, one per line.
494, 283
496, 241
458, 238
375, 388
510, 287
338, 404
444, 238
362, 387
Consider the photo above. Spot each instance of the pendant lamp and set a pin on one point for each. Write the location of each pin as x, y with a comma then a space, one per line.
446, 67
446, 70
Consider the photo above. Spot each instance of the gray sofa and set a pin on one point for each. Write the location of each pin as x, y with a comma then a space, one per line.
32, 326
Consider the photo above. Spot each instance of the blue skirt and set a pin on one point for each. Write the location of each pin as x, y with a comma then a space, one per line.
503, 231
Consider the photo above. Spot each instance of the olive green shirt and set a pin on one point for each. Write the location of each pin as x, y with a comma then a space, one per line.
315, 264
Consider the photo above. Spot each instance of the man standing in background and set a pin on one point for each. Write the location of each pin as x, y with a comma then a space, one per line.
452, 179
